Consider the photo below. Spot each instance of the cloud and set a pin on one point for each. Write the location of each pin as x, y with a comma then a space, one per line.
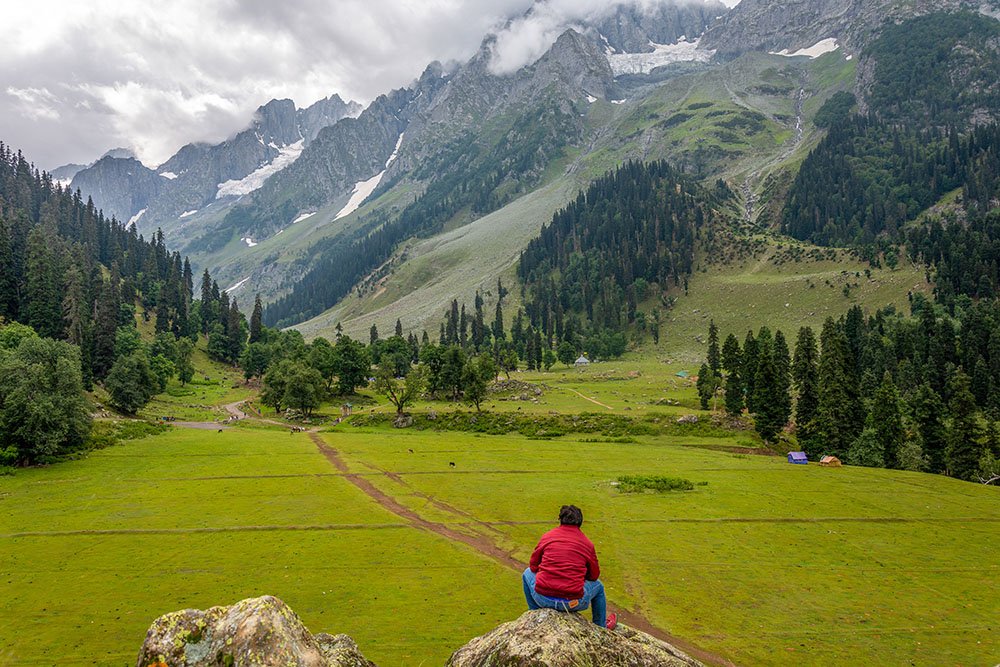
79, 78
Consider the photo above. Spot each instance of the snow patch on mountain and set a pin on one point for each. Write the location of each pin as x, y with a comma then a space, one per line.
662, 54
169, 175
255, 180
818, 49
135, 218
302, 217
364, 189
188, 214
395, 151
250, 242
238, 285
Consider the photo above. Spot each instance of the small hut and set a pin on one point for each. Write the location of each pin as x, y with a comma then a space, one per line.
830, 462
346, 409
582, 361
799, 458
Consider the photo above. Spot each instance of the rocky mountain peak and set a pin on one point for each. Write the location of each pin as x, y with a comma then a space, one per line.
579, 63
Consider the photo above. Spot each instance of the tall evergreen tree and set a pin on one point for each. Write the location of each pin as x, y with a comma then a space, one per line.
769, 410
928, 411
783, 376
886, 421
732, 362
714, 358
256, 320
964, 449
749, 374
805, 375
838, 412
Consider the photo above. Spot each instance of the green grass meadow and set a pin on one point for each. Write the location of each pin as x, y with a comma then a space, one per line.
766, 564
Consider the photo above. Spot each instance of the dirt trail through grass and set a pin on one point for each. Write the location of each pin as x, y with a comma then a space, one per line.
485, 546
592, 400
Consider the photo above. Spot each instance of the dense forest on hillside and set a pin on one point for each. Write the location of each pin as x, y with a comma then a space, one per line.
592, 266
915, 393
929, 132
71, 284
464, 178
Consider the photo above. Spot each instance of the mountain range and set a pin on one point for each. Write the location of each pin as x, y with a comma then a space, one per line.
452, 176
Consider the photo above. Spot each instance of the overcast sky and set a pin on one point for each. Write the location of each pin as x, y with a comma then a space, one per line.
78, 78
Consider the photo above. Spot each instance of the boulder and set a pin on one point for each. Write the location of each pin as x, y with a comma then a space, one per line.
548, 638
258, 632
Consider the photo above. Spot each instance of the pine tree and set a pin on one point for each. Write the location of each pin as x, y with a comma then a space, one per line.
373, 334
257, 318
838, 412
399, 328
783, 376
705, 385
498, 332
208, 314
732, 361
927, 410
886, 421
805, 375
714, 359
769, 410
749, 370
964, 450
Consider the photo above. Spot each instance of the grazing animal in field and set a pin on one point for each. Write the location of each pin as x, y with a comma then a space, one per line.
452, 464
220, 430
410, 450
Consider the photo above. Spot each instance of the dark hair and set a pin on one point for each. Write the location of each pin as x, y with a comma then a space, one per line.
571, 515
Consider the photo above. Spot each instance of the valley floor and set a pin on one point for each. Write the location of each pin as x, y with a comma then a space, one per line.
370, 530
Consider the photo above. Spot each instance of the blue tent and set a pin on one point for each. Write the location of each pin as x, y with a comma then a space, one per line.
798, 457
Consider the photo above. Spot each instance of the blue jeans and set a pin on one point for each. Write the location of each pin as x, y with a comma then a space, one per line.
593, 597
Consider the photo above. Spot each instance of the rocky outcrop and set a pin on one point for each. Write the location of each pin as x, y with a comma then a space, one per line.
549, 638
258, 632
120, 187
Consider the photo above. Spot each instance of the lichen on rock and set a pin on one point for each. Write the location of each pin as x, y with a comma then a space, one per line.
548, 638
258, 632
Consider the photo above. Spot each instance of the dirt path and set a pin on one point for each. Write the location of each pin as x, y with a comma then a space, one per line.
485, 546
592, 400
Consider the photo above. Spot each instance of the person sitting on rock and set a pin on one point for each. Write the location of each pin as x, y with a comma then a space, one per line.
563, 571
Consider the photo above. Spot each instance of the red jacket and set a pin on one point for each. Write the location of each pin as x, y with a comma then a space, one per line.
563, 559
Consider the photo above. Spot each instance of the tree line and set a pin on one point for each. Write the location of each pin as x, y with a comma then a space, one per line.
72, 283
913, 393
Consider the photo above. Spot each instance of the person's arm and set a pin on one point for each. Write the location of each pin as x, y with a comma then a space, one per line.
593, 567
536, 557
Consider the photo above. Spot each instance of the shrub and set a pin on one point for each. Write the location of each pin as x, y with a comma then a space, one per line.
657, 483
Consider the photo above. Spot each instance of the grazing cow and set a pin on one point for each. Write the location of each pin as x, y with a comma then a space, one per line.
410, 450
220, 430
452, 464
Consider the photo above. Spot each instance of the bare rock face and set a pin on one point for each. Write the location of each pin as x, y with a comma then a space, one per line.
258, 632
548, 638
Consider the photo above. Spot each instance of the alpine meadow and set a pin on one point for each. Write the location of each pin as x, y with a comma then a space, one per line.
685, 313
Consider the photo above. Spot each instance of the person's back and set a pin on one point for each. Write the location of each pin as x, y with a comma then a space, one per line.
564, 571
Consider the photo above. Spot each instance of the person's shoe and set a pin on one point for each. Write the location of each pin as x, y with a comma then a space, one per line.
612, 621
